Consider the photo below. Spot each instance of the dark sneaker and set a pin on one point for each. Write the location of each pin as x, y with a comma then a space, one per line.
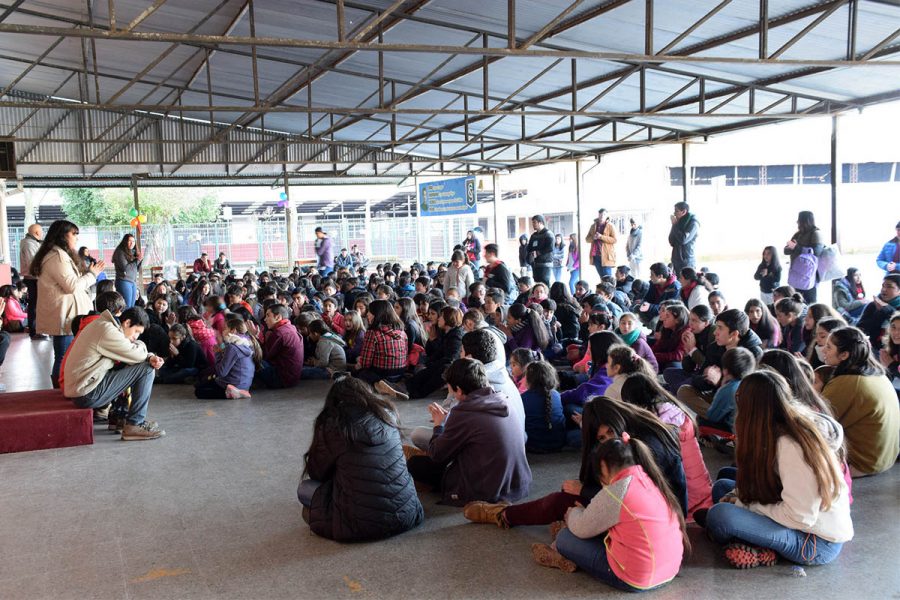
115, 423
148, 430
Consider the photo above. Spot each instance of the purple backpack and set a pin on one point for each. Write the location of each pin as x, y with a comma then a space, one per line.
802, 275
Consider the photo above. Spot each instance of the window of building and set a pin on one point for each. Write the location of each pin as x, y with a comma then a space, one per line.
676, 176
511, 228
560, 223
748, 175
814, 174
705, 175
779, 174
873, 172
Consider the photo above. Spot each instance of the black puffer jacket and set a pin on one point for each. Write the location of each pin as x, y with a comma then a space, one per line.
366, 491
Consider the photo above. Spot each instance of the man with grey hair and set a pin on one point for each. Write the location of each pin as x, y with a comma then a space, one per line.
28, 247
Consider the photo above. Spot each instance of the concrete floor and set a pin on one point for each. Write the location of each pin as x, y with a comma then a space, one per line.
210, 511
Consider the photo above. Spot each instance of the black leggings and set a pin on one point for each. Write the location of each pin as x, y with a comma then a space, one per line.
208, 389
425, 470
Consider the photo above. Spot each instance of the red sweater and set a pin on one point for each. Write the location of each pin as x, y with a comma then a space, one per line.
283, 348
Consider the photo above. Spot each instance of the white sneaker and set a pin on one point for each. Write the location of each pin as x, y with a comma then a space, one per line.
233, 393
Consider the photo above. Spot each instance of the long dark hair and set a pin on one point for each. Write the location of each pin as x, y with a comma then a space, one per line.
644, 391
410, 316
542, 379
618, 454
123, 245
600, 342
56, 238
786, 364
765, 412
620, 417
520, 312
559, 293
775, 261
806, 221
348, 401
861, 360
383, 315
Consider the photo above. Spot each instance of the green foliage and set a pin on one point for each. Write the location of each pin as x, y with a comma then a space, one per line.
161, 205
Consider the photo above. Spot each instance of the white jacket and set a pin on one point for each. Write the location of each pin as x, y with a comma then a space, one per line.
63, 293
699, 295
800, 506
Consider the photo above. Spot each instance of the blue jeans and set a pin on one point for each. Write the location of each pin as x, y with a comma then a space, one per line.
574, 276
268, 376
727, 522
557, 273
541, 273
601, 270
315, 373
174, 375
4, 345
138, 377
61, 343
590, 556
128, 291
306, 490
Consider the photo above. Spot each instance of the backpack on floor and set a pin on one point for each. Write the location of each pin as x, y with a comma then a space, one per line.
802, 275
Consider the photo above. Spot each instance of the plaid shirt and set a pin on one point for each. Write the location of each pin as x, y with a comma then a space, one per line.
383, 348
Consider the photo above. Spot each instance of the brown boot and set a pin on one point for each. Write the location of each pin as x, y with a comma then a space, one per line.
546, 556
382, 387
555, 528
486, 512
410, 451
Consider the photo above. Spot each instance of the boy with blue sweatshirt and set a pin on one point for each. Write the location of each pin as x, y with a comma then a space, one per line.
737, 363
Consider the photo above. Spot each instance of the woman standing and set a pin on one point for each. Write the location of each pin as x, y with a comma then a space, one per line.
634, 249
573, 262
128, 264
559, 255
804, 248
472, 247
768, 274
459, 274
63, 284
358, 487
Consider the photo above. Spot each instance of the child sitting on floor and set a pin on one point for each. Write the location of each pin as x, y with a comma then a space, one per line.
186, 358
329, 356
545, 424
237, 356
632, 536
331, 316
518, 362
737, 363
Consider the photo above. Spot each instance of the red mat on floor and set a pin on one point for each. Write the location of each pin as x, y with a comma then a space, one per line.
42, 419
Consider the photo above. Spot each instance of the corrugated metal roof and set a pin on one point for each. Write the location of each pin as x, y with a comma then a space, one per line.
115, 142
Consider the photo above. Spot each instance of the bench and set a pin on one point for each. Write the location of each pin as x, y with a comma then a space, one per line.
42, 419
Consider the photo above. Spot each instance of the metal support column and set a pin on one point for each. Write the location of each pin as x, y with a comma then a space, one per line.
836, 174
686, 172
367, 238
497, 197
289, 220
138, 244
420, 251
4, 229
579, 184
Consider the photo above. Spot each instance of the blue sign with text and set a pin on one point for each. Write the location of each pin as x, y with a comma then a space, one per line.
447, 197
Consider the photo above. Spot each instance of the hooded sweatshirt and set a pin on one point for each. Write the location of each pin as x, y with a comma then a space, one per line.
595, 386
330, 353
234, 364
485, 449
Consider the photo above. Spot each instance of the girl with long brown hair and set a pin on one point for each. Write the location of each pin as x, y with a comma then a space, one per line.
789, 498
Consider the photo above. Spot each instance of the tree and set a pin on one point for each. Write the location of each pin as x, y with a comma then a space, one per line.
87, 206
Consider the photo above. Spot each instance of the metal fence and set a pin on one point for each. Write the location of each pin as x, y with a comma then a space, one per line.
263, 242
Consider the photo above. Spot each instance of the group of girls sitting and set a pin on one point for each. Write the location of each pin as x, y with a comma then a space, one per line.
642, 475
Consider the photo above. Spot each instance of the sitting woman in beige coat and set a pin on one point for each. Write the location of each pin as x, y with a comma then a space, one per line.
63, 287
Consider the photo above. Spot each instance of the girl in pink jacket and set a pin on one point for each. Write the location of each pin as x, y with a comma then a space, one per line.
632, 535
15, 319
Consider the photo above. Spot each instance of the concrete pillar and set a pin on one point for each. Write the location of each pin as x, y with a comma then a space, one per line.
579, 187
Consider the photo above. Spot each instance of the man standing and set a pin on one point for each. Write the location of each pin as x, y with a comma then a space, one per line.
540, 250
324, 252
602, 238
203, 266
682, 237
28, 247
92, 382
889, 259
